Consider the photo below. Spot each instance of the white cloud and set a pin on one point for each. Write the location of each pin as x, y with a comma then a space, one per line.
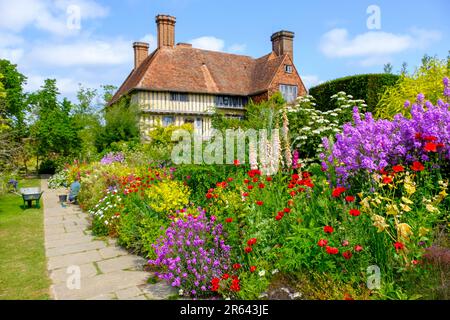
47, 15
208, 43
311, 80
237, 48
67, 86
374, 47
151, 40
83, 53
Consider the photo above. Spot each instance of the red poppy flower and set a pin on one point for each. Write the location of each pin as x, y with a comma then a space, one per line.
328, 229
398, 168
347, 255
293, 193
245, 194
358, 248
236, 162
226, 276
250, 187
332, 250
246, 181
417, 166
350, 198
348, 297
261, 185
399, 246
337, 192
230, 179
248, 249
295, 176
278, 217
252, 269
236, 266
269, 179
229, 220
322, 243
235, 285
430, 147
306, 175
387, 180
287, 210
251, 242
290, 186
259, 203
255, 180
430, 138
345, 243
355, 212
209, 195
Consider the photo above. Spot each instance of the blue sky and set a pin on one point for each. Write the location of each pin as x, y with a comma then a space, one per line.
332, 37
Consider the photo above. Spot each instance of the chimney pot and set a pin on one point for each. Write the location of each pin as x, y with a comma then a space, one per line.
166, 30
140, 53
283, 43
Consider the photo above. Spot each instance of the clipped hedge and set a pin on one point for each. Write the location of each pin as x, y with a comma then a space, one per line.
368, 87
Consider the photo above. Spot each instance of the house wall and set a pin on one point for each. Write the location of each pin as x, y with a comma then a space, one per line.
156, 105
282, 77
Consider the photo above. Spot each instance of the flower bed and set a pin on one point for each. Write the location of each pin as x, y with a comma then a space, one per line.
376, 204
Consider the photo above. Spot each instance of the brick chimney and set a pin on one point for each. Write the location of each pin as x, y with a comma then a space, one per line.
166, 30
140, 53
283, 43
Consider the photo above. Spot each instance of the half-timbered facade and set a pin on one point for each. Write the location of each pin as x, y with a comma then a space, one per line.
178, 84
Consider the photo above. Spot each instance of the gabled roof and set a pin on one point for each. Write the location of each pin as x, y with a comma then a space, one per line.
186, 69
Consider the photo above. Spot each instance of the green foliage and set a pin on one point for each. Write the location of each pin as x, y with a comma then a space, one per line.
257, 116
367, 87
121, 124
48, 166
308, 125
200, 179
427, 79
13, 106
53, 131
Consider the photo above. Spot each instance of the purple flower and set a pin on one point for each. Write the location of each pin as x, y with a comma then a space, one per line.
407, 104
420, 97
446, 82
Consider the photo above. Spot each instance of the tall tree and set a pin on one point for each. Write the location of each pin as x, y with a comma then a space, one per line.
13, 106
53, 131
388, 68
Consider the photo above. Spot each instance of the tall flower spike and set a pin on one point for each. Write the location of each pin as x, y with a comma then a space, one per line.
287, 145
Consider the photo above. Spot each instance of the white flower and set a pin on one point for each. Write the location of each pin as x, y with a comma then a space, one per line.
262, 273
181, 292
275, 271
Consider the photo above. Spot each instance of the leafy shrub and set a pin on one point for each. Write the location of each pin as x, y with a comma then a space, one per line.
58, 180
427, 80
47, 167
367, 87
167, 196
308, 125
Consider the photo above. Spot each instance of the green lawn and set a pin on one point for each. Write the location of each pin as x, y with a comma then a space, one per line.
23, 272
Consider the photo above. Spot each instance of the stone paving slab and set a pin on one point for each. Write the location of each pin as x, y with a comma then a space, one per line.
105, 271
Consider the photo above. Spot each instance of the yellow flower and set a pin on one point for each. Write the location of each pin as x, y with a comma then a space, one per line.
404, 231
406, 200
380, 223
405, 207
409, 185
423, 231
392, 209
431, 208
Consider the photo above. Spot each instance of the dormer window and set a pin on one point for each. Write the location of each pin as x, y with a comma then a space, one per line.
288, 68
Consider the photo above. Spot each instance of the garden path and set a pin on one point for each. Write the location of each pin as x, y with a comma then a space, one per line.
106, 272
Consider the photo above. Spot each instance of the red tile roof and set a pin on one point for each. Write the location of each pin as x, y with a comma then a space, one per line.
186, 69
